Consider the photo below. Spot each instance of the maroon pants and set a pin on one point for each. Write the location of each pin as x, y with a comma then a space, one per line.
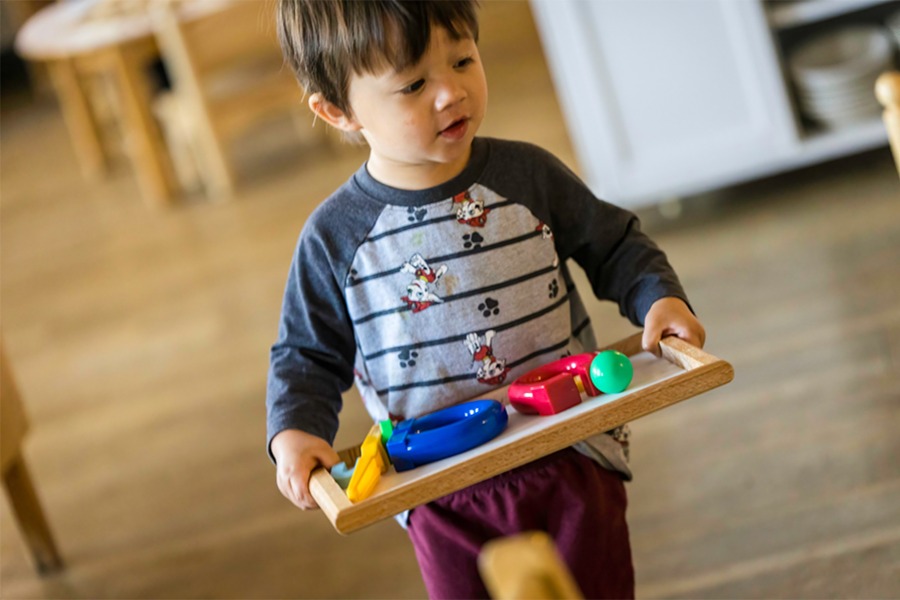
577, 502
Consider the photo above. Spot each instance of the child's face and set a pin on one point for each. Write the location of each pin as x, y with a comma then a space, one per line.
420, 122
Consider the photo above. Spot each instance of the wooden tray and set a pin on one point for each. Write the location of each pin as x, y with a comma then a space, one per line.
682, 372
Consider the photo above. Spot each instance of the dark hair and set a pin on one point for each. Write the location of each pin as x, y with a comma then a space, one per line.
324, 41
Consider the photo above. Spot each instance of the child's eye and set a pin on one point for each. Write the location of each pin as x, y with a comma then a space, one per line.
464, 62
413, 87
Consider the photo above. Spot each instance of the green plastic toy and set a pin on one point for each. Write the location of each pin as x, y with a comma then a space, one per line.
611, 372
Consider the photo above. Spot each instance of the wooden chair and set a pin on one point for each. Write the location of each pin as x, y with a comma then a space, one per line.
526, 566
887, 89
227, 74
16, 478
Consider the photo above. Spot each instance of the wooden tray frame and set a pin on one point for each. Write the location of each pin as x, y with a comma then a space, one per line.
396, 493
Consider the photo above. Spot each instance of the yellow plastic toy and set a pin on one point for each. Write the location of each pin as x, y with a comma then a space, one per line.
373, 461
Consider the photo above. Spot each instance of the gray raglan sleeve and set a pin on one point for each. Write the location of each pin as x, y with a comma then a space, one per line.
621, 262
311, 363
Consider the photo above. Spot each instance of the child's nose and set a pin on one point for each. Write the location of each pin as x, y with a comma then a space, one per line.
450, 92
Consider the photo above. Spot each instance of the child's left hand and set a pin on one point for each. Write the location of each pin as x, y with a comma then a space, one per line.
671, 316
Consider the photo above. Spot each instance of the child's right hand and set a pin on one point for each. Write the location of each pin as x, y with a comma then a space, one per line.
296, 454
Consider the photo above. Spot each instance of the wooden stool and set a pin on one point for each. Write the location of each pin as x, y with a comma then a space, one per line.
227, 75
526, 566
16, 478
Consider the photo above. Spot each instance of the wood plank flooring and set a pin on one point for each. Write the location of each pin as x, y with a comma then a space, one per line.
140, 342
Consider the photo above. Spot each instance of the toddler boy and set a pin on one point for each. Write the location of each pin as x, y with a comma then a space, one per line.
437, 272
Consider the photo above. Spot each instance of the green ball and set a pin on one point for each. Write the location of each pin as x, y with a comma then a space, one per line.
611, 372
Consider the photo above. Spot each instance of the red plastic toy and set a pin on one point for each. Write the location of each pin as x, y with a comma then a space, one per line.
554, 387
557, 386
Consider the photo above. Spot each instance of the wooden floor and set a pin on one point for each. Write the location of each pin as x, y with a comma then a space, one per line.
140, 340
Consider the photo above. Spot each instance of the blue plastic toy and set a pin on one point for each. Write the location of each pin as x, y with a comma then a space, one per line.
342, 473
446, 432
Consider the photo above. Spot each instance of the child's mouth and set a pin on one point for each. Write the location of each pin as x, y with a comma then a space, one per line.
456, 130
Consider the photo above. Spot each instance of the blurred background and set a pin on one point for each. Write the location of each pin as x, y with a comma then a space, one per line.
155, 172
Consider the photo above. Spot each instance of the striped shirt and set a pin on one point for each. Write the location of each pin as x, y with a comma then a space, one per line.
431, 297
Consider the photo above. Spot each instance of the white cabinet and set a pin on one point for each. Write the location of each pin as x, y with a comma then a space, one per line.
665, 99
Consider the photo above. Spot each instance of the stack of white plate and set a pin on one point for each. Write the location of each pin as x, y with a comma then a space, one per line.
893, 23
835, 73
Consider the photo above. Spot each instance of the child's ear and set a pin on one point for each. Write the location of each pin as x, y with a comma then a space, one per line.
331, 114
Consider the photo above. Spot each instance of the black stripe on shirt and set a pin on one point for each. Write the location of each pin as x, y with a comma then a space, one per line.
536, 353
439, 259
460, 296
473, 375
577, 331
458, 338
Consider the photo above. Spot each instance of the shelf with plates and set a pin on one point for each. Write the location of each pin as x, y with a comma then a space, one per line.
834, 73
820, 144
699, 94
831, 52
795, 13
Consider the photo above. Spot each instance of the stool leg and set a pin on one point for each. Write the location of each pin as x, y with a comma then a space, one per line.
80, 119
30, 516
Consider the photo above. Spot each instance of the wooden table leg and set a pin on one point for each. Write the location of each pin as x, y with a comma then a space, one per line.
143, 139
79, 118
30, 517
